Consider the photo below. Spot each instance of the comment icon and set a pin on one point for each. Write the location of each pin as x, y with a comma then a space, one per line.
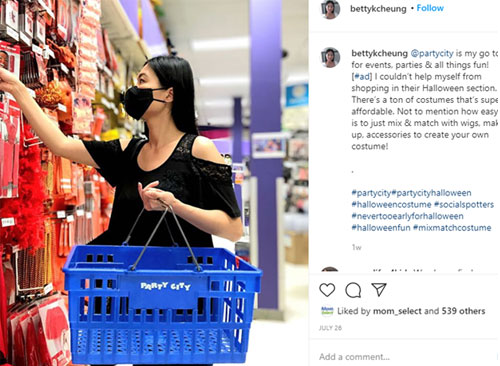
353, 290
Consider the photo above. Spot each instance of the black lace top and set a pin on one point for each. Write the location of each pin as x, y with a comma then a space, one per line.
193, 181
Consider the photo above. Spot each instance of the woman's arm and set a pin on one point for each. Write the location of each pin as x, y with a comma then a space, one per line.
215, 222
49, 133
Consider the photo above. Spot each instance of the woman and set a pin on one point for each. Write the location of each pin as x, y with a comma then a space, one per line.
330, 10
173, 167
330, 58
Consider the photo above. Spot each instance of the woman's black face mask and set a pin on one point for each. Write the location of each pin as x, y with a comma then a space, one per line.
137, 100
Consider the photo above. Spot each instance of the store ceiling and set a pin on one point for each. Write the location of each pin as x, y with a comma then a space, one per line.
188, 20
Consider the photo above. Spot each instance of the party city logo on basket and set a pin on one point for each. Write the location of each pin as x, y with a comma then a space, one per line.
150, 286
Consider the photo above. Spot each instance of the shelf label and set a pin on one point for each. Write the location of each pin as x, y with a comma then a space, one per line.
48, 288
62, 107
61, 214
88, 215
8, 221
64, 68
37, 49
79, 213
12, 33
70, 218
26, 40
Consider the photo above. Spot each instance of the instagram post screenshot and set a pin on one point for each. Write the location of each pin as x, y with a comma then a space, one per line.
257, 182
403, 227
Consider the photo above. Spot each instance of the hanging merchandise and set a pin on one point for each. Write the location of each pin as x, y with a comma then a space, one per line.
26, 24
10, 282
51, 95
34, 74
63, 19
30, 338
65, 114
55, 328
75, 16
9, 27
18, 346
9, 121
110, 53
101, 51
99, 118
83, 118
10, 57
27, 210
40, 32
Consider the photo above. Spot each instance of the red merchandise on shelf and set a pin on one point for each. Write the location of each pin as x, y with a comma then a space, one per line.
15, 131
55, 326
82, 115
66, 116
40, 23
30, 339
99, 118
18, 346
6, 152
9, 124
63, 20
10, 282
27, 210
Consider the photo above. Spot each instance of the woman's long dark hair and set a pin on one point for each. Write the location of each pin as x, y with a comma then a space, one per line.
175, 72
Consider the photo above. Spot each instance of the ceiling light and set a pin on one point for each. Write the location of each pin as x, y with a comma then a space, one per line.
221, 44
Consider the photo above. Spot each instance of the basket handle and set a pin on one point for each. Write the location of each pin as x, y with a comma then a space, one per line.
133, 267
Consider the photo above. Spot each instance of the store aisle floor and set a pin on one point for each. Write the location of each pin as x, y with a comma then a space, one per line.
284, 343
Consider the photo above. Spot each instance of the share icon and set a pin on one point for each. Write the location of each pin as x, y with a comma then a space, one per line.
380, 287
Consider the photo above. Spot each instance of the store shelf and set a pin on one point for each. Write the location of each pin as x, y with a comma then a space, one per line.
122, 33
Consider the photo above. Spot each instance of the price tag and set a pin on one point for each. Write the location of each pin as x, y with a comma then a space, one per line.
97, 138
70, 218
88, 215
64, 68
25, 39
9, 221
95, 177
102, 180
12, 33
62, 107
76, 137
108, 71
61, 214
80, 213
37, 50
48, 288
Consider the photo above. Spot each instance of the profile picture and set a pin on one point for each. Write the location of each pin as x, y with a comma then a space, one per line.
330, 9
330, 57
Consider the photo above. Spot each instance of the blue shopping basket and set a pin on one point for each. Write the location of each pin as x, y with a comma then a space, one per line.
170, 306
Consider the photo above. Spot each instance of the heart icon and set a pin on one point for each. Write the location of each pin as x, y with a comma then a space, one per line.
327, 289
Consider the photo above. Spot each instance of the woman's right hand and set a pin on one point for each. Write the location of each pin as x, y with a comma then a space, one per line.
9, 82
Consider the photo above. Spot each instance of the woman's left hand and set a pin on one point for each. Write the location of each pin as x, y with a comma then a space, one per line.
155, 199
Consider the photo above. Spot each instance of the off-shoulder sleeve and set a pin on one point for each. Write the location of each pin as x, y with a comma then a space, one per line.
109, 156
217, 187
